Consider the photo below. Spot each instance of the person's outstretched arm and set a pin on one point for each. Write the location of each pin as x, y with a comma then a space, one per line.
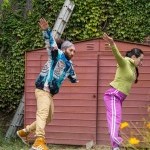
116, 52
47, 34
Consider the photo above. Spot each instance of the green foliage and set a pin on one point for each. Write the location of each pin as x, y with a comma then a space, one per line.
123, 19
18, 35
86, 20
130, 20
11, 144
5, 4
19, 32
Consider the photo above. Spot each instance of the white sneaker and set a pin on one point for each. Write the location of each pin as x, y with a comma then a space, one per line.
116, 148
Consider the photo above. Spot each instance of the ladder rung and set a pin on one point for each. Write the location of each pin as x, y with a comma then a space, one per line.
62, 19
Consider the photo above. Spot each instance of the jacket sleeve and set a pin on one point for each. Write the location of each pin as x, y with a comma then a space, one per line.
72, 76
119, 58
50, 43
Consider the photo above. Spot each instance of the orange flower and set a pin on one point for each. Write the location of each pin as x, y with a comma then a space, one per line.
134, 141
148, 125
124, 125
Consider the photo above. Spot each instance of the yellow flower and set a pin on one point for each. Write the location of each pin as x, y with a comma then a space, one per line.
124, 125
148, 125
133, 141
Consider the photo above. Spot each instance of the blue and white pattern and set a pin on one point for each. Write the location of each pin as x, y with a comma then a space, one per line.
56, 69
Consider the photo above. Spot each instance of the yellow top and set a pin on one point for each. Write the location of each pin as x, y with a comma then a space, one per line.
125, 74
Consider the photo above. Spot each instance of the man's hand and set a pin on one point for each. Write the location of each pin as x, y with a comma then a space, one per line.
108, 39
43, 24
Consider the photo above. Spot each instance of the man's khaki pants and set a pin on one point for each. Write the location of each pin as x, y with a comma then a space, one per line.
44, 113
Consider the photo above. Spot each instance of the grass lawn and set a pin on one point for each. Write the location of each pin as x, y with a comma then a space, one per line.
16, 144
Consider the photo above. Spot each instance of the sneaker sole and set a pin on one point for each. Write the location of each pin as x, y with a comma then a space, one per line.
33, 148
22, 139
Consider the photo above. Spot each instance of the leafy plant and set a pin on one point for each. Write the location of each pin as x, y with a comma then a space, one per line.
136, 135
